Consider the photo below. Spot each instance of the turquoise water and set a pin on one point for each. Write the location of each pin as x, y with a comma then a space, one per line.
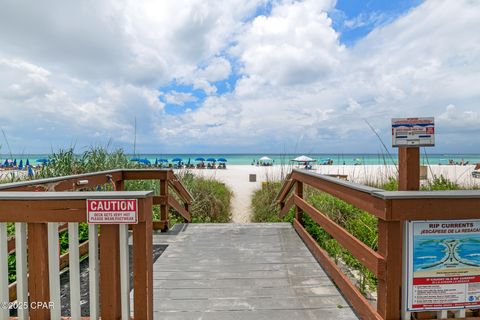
246, 159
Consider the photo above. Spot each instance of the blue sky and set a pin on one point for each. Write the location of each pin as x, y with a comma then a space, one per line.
237, 76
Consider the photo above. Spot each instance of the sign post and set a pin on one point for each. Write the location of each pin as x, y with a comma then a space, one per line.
408, 135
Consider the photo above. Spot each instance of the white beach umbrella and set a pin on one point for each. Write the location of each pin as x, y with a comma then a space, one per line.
265, 159
304, 159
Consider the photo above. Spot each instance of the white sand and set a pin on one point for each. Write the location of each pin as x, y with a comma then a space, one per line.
236, 177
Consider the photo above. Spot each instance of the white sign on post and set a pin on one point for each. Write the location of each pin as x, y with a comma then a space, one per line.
112, 211
413, 132
443, 265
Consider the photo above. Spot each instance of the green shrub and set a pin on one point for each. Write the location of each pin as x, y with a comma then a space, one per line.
212, 199
264, 209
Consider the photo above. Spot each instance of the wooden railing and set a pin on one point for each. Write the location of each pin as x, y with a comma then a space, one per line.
46, 214
392, 209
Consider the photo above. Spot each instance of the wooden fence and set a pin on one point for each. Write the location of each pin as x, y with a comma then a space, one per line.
392, 209
39, 216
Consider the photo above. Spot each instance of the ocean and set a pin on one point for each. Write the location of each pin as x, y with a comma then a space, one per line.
246, 159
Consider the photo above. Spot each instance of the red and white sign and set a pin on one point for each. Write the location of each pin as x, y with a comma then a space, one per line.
112, 211
413, 132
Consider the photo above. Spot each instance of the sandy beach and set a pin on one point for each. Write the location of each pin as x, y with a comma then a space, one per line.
236, 177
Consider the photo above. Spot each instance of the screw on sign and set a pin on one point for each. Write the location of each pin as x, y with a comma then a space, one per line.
414, 132
112, 211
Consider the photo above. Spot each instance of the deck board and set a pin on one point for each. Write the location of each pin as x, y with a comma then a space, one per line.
242, 271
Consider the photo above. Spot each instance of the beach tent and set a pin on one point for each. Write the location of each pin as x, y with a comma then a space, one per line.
211, 159
200, 159
177, 160
222, 160
303, 159
265, 159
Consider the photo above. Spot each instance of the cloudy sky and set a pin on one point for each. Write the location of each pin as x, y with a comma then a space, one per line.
237, 75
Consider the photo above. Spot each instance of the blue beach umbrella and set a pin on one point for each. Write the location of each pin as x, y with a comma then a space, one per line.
15, 162
20, 166
42, 160
30, 172
222, 160
144, 161
134, 159
156, 161
177, 160
27, 163
211, 159
162, 160
5, 164
199, 159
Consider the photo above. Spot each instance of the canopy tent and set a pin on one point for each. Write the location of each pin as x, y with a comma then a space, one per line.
304, 159
264, 159
222, 160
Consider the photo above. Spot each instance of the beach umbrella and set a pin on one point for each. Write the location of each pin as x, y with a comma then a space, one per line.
265, 159
5, 164
156, 161
211, 159
188, 163
20, 166
162, 160
30, 172
42, 160
144, 161
304, 159
222, 160
15, 162
27, 163
134, 159
177, 160
200, 159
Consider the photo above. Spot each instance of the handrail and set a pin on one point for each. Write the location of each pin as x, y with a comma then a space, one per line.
391, 209
93, 179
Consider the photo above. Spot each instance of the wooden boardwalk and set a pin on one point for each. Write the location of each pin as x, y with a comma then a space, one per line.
242, 271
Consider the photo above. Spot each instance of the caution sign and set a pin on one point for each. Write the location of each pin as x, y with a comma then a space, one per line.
413, 132
112, 211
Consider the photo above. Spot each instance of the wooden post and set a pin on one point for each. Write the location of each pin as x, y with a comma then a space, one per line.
143, 263
187, 207
110, 297
299, 193
408, 169
164, 207
390, 239
38, 280
389, 286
